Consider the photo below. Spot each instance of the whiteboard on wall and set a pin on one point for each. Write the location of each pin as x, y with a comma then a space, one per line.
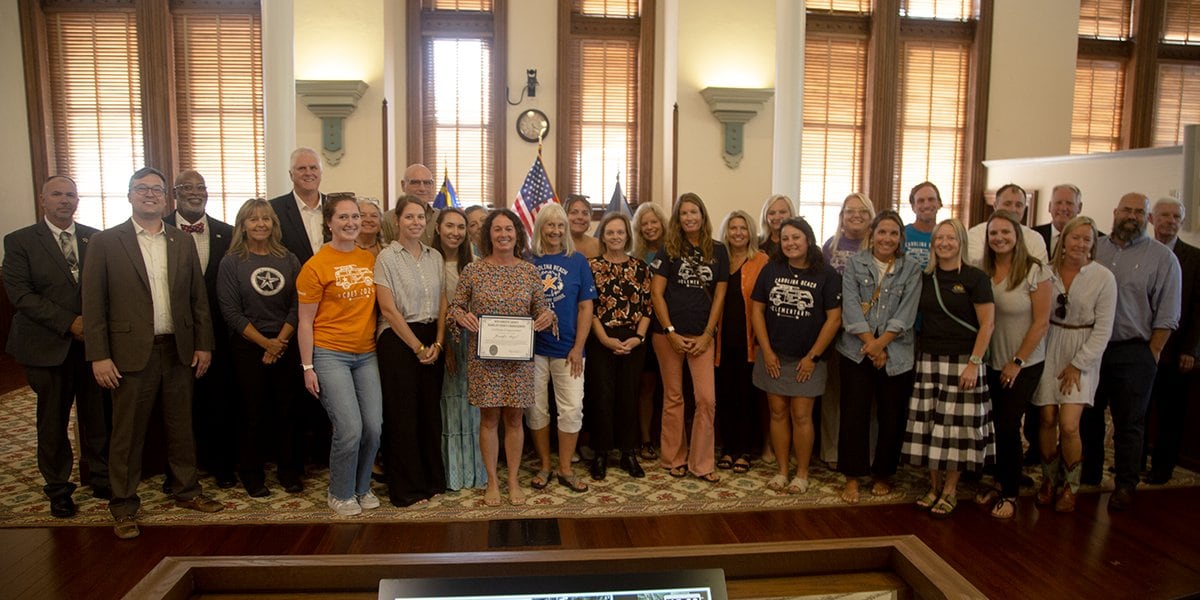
1101, 178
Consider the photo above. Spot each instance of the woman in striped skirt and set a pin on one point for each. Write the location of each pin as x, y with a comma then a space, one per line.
949, 415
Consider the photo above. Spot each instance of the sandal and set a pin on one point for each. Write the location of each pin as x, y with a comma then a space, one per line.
647, 451
678, 472
742, 464
944, 508
726, 462
1003, 504
710, 477
573, 483
777, 483
927, 501
799, 485
541, 480
491, 499
988, 498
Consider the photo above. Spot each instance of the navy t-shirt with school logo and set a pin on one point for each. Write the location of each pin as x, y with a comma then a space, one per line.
796, 301
690, 285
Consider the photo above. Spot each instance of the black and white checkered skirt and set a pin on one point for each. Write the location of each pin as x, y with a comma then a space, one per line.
949, 428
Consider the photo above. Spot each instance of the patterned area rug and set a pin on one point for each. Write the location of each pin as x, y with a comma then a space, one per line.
22, 503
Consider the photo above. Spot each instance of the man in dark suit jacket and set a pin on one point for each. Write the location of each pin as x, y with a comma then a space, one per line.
1176, 367
146, 326
1065, 203
42, 277
299, 211
214, 408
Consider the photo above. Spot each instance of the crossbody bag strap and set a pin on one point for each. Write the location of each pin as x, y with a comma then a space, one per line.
937, 290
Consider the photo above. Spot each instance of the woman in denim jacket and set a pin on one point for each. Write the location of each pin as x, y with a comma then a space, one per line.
880, 290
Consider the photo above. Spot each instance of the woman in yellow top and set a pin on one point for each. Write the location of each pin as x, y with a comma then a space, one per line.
336, 292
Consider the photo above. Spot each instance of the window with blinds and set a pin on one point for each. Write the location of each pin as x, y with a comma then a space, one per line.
95, 109
457, 117
1178, 102
219, 104
1181, 23
1106, 19
857, 7
932, 120
1097, 109
835, 69
602, 101
946, 10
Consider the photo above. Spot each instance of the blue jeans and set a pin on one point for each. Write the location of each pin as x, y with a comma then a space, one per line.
351, 396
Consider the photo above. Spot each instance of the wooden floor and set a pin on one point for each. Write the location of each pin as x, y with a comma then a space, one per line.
1151, 552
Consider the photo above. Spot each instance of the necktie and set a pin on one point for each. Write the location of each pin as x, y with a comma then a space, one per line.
197, 228
68, 249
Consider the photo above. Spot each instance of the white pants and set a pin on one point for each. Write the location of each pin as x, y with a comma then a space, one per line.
568, 395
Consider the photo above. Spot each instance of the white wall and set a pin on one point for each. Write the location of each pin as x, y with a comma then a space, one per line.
529, 50
17, 195
344, 40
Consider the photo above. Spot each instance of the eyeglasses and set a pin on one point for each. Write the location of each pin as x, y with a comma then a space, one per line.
145, 190
420, 182
188, 188
1061, 311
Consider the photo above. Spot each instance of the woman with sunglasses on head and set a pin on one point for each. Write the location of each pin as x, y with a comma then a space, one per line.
1084, 301
690, 278
796, 313
460, 420
880, 290
1021, 289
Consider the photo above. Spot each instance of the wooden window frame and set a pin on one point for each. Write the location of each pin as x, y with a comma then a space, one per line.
156, 68
573, 26
421, 23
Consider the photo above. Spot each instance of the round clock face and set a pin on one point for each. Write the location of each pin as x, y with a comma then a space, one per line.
532, 125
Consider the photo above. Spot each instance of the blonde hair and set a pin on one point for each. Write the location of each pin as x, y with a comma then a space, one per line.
549, 212
639, 242
251, 207
960, 232
1071, 225
766, 227
837, 235
752, 244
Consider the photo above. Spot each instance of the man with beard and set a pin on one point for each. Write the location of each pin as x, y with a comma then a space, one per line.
1148, 295
214, 400
1173, 384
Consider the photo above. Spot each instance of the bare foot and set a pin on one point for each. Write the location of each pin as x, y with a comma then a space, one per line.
850, 492
516, 496
880, 488
491, 497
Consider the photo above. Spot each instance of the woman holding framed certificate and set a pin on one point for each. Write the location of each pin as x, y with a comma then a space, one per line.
495, 295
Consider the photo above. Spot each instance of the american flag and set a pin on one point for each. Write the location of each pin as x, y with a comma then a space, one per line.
535, 192
446, 196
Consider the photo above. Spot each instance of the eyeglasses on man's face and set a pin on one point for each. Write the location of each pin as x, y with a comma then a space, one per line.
142, 189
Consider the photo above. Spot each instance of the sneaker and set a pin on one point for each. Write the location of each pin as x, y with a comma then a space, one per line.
345, 508
368, 500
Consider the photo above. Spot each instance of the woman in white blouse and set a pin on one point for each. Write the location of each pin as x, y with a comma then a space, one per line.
1081, 319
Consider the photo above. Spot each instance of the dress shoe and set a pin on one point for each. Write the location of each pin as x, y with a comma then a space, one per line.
62, 507
600, 466
103, 492
292, 486
1121, 499
200, 503
629, 462
257, 490
226, 480
126, 528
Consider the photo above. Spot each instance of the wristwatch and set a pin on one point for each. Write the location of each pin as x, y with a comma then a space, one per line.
670, 329
306, 367
976, 360
1017, 360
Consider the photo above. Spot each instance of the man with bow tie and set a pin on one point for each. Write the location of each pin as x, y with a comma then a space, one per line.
215, 403
43, 278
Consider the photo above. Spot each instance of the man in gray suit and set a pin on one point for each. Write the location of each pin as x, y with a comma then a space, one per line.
146, 326
42, 277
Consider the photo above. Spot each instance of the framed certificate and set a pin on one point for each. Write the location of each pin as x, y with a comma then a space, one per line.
504, 338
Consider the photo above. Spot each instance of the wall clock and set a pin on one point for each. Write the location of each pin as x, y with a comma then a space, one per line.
532, 125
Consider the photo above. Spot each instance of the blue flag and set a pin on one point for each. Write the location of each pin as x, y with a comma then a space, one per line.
616, 204
446, 196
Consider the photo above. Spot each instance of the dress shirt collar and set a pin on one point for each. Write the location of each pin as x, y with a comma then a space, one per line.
138, 229
181, 220
304, 207
54, 229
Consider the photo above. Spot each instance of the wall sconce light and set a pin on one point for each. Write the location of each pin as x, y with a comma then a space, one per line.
332, 102
734, 107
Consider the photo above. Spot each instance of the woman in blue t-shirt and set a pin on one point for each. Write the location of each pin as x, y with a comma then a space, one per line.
688, 289
796, 312
569, 289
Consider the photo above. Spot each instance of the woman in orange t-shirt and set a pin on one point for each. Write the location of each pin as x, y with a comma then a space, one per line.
336, 329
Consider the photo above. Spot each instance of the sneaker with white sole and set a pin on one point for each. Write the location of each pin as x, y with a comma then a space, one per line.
368, 500
345, 508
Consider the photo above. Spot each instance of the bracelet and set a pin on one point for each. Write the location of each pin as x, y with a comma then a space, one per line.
421, 349
437, 345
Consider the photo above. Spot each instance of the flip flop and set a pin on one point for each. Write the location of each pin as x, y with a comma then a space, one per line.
541, 480
573, 483
709, 477
678, 472
741, 465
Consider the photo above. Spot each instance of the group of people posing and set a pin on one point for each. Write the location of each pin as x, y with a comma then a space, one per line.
925, 343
